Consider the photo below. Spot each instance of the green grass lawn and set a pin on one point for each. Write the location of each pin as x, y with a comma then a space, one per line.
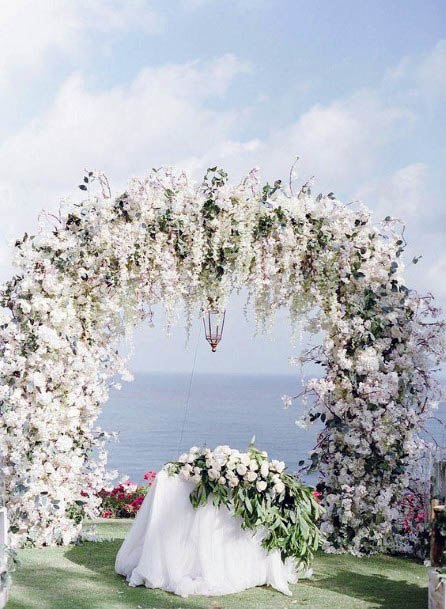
82, 577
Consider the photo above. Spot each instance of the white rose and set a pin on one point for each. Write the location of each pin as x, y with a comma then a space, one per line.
216, 464
261, 486
264, 469
222, 480
251, 476
241, 469
233, 482
213, 474
254, 465
279, 487
245, 459
185, 472
279, 466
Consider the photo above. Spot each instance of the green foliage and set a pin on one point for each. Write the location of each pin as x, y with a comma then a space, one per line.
290, 520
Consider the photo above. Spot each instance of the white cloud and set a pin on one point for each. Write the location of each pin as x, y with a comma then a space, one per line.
339, 143
30, 32
161, 117
431, 72
242, 5
436, 277
422, 76
401, 194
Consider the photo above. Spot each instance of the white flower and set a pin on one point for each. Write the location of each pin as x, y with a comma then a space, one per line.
264, 469
287, 401
251, 476
49, 336
245, 459
241, 469
279, 487
185, 472
127, 376
261, 485
213, 474
278, 466
233, 482
367, 361
130, 487
64, 443
253, 465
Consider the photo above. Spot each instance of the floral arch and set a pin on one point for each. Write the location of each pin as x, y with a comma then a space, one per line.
95, 271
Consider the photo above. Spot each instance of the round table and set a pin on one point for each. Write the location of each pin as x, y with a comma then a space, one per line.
202, 551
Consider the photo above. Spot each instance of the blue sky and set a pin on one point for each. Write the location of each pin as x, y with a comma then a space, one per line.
357, 90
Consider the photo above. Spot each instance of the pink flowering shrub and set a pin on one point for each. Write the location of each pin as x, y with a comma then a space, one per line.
411, 530
414, 513
125, 499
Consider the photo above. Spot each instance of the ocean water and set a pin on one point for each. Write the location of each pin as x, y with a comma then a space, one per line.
156, 421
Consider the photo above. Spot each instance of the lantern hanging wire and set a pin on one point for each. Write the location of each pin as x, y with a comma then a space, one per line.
214, 323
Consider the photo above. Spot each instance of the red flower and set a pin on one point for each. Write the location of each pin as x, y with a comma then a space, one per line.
317, 495
150, 477
107, 514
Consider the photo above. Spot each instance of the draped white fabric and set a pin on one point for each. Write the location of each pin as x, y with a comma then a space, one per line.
188, 551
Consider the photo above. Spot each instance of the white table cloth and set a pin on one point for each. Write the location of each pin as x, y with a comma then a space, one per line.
203, 551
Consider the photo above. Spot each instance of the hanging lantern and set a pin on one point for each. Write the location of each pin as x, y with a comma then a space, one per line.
214, 322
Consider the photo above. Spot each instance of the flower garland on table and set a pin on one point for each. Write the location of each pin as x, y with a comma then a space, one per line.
93, 272
258, 491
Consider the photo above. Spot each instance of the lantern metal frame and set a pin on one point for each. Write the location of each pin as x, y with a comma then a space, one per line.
214, 332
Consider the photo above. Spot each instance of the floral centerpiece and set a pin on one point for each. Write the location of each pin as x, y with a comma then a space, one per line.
258, 491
